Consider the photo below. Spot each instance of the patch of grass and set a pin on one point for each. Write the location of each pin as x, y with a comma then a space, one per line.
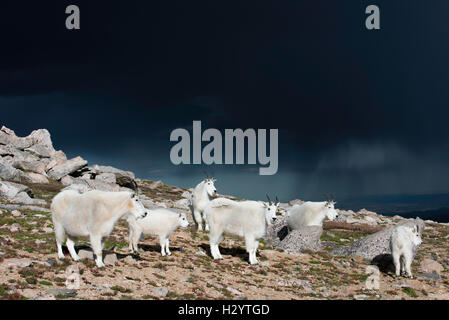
121, 289
45, 283
411, 292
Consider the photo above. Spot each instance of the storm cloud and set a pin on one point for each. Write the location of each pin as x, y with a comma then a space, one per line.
359, 112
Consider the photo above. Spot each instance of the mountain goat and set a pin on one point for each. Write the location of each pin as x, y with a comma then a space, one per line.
159, 222
403, 244
248, 219
92, 214
201, 196
310, 214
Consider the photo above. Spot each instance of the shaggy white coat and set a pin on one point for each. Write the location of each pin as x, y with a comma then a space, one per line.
403, 244
310, 214
201, 196
158, 222
247, 219
91, 214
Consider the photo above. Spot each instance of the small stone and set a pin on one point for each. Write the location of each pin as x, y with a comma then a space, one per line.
86, 254
129, 260
160, 292
50, 262
17, 262
360, 296
47, 229
110, 259
234, 291
16, 213
15, 227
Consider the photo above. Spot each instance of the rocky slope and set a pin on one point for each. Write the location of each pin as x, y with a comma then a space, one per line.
349, 259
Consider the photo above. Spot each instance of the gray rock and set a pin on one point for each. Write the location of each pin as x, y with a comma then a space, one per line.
234, 291
10, 189
32, 177
277, 231
8, 172
81, 188
375, 244
98, 169
41, 137
8, 137
16, 213
429, 265
86, 254
31, 165
106, 177
129, 260
23, 207
430, 276
160, 292
304, 238
40, 150
66, 168
67, 293
23, 197
110, 259
7, 151
58, 158
50, 262
100, 185
17, 262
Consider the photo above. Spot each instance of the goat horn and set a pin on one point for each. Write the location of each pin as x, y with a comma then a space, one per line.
269, 200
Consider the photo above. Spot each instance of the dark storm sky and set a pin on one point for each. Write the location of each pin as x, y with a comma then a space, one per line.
359, 112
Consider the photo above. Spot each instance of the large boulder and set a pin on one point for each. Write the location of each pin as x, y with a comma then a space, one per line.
10, 190
8, 137
66, 168
33, 166
42, 137
32, 177
57, 158
376, 244
8, 172
304, 238
24, 198
40, 150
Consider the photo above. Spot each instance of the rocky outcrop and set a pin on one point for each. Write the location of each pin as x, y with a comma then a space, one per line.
70, 166
305, 238
375, 244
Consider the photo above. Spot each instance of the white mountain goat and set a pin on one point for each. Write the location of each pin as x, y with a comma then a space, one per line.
92, 214
248, 219
159, 222
201, 196
404, 242
310, 214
